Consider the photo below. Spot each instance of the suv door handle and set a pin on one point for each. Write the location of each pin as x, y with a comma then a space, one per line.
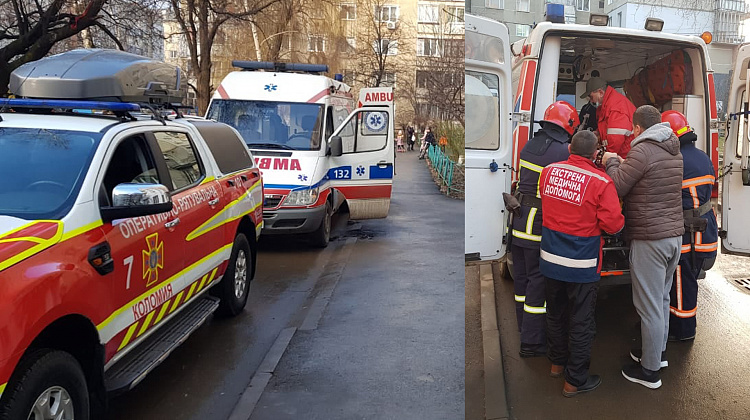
213, 202
384, 164
172, 223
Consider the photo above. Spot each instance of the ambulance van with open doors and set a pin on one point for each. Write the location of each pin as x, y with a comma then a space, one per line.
318, 153
554, 63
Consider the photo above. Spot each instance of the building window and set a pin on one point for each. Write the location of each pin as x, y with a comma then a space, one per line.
522, 5
316, 43
388, 80
427, 13
172, 54
349, 76
386, 13
609, 2
455, 15
619, 19
601, 4
352, 43
429, 47
453, 47
423, 79
385, 47
495, 4
348, 12
522, 30
582, 5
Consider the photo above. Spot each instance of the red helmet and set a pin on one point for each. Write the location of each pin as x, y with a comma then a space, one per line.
677, 121
562, 114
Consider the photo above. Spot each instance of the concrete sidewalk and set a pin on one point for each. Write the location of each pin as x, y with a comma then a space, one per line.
485, 375
390, 342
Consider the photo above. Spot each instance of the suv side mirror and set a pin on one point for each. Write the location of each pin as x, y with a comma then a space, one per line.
133, 200
337, 147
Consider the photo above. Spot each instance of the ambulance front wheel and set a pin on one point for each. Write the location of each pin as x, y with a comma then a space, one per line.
235, 285
322, 235
50, 385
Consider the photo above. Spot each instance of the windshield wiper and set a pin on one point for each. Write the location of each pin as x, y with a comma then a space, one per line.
270, 146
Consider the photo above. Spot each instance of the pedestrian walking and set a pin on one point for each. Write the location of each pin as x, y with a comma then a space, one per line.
400, 141
549, 145
579, 201
614, 113
700, 241
649, 180
410, 138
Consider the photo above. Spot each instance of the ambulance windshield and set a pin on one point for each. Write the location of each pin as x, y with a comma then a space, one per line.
272, 125
43, 170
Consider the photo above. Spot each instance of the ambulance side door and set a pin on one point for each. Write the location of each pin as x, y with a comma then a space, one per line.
488, 136
735, 194
363, 172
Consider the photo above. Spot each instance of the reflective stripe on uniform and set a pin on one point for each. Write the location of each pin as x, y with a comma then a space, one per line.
694, 194
535, 309
527, 236
620, 131
713, 246
567, 262
682, 314
530, 220
530, 166
520, 298
679, 286
701, 180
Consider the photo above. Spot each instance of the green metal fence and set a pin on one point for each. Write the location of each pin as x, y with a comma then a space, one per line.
445, 169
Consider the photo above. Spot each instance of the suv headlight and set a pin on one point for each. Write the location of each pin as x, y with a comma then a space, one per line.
302, 197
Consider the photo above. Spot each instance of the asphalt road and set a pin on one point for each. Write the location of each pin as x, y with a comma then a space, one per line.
707, 378
377, 322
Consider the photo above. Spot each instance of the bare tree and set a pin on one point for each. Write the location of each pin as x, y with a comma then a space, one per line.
439, 89
381, 40
200, 21
29, 29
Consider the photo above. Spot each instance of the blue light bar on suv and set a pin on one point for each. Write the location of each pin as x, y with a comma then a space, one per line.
69, 104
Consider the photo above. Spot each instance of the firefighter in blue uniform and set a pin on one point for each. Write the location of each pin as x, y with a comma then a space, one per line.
700, 241
549, 145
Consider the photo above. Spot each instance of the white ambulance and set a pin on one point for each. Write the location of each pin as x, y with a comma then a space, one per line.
318, 149
554, 63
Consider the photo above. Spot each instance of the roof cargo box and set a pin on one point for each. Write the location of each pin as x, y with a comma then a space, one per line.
98, 74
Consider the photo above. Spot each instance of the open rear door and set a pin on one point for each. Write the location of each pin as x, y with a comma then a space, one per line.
735, 194
488, 136
361, 160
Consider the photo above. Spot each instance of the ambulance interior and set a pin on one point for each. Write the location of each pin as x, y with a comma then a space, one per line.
619, 61
576, 59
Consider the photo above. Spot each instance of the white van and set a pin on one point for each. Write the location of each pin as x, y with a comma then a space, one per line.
318, 149
554, 63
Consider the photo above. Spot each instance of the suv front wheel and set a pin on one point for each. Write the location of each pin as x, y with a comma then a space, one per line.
51, 386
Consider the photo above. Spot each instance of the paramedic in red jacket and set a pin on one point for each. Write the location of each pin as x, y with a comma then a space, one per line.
579, 201
614, 114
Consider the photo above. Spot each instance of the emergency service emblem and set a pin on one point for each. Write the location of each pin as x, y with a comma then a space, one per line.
376, 121
153, 259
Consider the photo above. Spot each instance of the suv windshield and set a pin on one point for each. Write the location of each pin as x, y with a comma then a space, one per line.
42, 170
272, 125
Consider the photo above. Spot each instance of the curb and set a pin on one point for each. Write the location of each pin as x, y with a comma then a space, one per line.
495, 405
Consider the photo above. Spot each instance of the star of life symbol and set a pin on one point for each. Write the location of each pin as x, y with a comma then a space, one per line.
360, 170
270, 87
302, 177
375, 121
153, 259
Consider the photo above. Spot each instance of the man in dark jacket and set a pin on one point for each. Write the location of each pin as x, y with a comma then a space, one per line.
700, 242
649, 180
549, 145
579, 202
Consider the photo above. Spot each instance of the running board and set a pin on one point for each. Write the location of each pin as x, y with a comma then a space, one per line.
131, 370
